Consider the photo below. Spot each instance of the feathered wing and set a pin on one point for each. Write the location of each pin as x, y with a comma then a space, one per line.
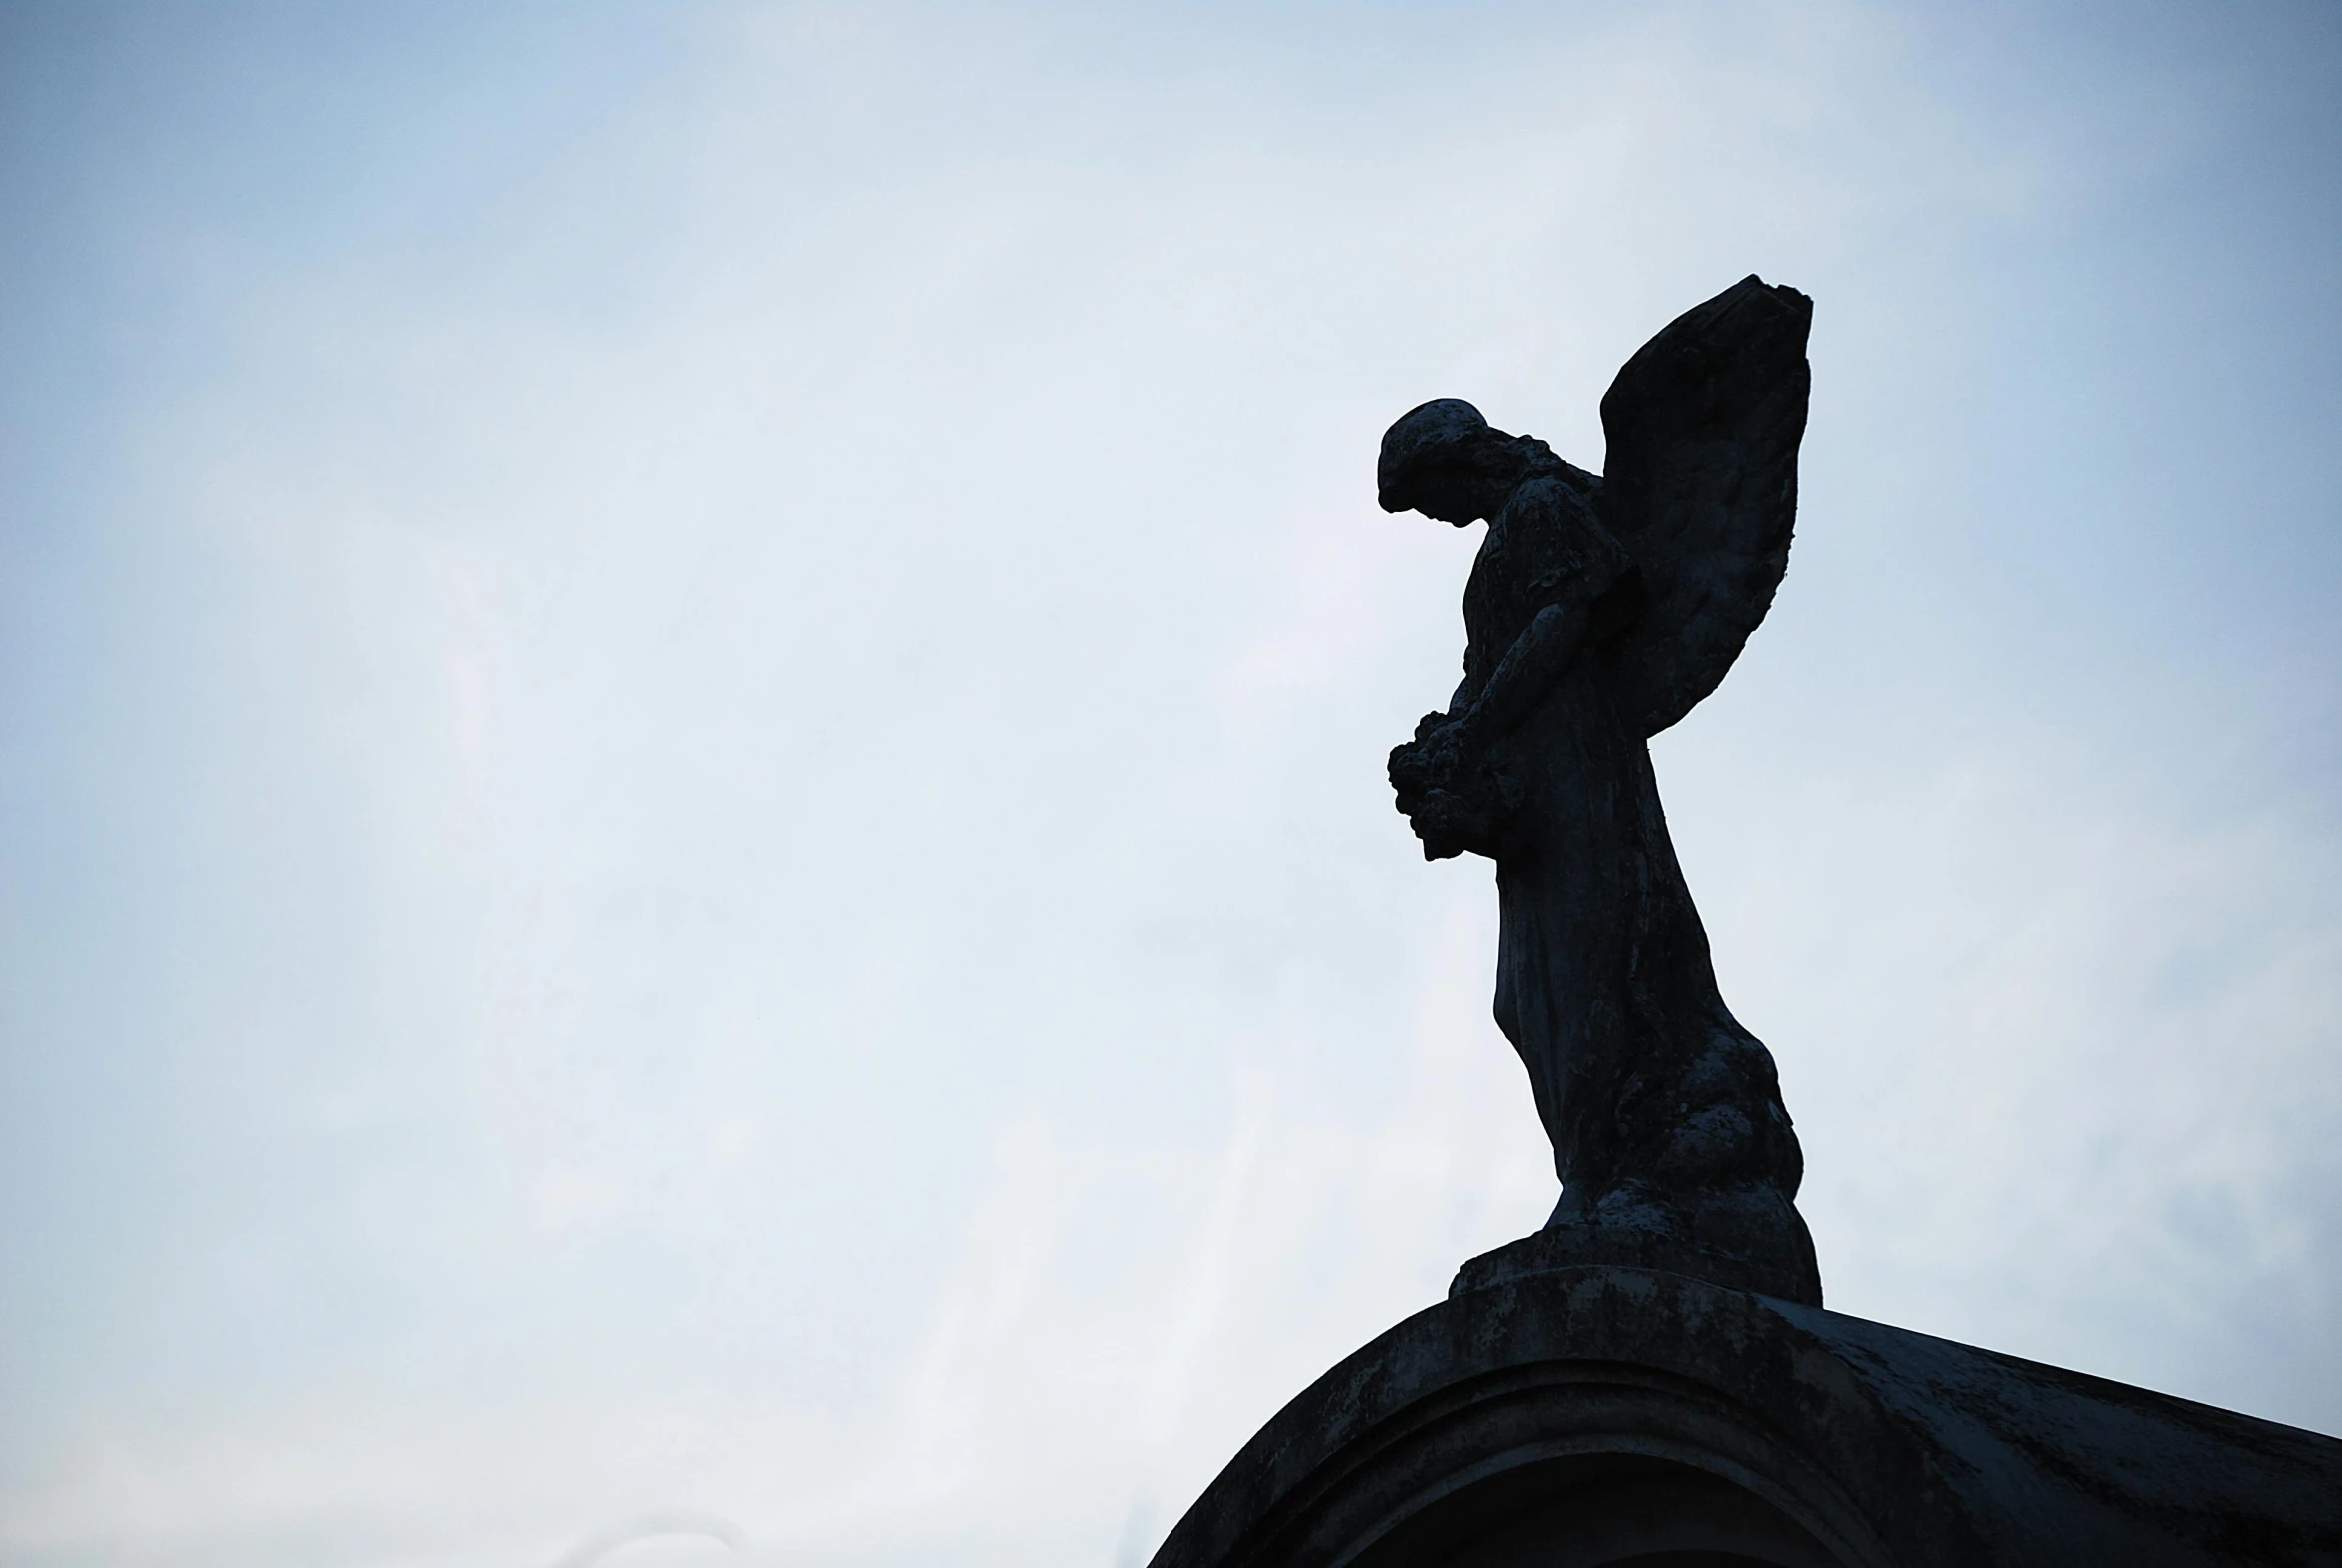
1700, 485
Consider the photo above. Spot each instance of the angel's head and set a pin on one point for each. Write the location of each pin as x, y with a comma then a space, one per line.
1445, 462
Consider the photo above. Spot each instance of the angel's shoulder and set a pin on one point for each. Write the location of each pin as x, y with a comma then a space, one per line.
1553, 536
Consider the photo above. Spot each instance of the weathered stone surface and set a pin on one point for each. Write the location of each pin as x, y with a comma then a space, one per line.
1613, 1415
1598, 612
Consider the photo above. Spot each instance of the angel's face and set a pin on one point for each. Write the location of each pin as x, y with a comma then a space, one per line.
1461, 486
1453, 503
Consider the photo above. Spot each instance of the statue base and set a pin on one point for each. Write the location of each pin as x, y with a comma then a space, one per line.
1783, 1270
1575, 1417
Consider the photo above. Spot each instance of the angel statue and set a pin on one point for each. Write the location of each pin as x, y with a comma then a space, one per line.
1598, 612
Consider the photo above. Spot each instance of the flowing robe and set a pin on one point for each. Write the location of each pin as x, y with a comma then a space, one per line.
1664, 1113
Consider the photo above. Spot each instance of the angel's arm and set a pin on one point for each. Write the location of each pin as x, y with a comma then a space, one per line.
1444, 784
1607, 599
1527, 671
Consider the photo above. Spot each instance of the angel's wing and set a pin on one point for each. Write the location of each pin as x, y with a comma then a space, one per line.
1700, 485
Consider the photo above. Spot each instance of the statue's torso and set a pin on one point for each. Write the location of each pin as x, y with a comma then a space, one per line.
1546, 546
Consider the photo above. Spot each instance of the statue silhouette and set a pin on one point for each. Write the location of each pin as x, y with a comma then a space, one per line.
1598, 612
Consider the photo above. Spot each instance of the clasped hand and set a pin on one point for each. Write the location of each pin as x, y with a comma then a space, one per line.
1452, 789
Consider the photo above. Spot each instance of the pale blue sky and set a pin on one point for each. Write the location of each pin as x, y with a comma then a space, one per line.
692, 703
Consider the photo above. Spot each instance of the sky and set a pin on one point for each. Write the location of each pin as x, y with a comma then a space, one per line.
694, 865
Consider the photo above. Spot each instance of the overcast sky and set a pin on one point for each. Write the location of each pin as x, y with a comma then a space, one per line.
693, 857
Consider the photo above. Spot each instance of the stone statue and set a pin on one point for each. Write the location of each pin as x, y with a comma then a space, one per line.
1598, 612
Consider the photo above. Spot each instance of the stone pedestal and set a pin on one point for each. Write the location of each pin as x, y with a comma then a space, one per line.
1608, 1415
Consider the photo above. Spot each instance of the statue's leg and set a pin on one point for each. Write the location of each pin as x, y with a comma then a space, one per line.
1559, 975
1524, 1011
